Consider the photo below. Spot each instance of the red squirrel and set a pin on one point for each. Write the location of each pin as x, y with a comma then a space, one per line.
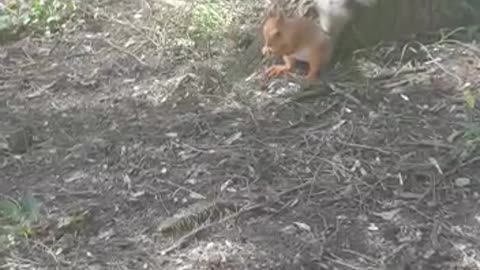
299, 38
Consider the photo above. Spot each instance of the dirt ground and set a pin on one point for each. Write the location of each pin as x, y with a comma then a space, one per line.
144, 156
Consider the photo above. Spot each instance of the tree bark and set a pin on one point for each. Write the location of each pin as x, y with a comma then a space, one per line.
396, 19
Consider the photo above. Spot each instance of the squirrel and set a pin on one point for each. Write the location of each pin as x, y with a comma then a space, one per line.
299, 38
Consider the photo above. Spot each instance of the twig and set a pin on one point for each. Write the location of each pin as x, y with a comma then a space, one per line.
126, 52
373, 260
191, 234
336, 259
328, 108
469, 162
348, 96
48, 250
433, 60
447, 227
307, 93
254, 119
395, 252
468, 46
373, 148
193, 148
295, 188
183, 188
428, 143
123, 23
394, 84
401, 71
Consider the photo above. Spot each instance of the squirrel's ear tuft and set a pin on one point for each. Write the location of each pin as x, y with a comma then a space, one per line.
280, 15
271, 10
274, 10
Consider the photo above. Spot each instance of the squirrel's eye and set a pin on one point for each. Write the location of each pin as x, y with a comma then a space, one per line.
276, 34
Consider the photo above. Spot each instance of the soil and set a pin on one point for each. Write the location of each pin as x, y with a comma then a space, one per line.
378, 173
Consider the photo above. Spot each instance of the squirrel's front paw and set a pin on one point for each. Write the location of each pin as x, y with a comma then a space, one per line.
277, 70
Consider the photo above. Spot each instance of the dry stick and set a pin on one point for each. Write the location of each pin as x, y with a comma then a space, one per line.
328, 108
254, 119
191, 234
446, 39
336, 259
348, 96
48, 250
367, 147
428, 143
394, 84
471, 161
395, 252
468, 46
182, 188
401, 71
126, 52
447, 227
295, 188
123, 23
433, 60
366, 257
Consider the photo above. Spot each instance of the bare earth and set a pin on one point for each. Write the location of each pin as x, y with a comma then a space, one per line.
376, 173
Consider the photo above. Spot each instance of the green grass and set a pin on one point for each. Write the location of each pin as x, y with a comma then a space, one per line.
44, 16
17, 219
209, 20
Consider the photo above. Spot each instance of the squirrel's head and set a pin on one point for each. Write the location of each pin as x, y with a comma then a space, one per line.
273, 32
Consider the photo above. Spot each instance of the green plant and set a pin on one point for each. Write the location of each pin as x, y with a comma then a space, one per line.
209, 20
17, 218
472, 128
50, 14
470, 98
472, 134
8, 17
37, 15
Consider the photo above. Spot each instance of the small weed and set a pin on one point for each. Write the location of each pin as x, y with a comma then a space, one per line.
45, 16
50, 14
472, 134
470, 98
16, 219
209, 20
472, 129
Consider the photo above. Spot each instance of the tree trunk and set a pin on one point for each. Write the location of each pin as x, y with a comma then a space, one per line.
396, 19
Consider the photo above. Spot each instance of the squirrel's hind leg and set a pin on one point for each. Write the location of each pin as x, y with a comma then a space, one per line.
318, 60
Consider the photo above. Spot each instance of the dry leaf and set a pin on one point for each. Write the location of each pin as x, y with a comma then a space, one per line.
172, 134
435, 163
462, 182
303, 226
337, 126
372, 227
198, 196
75, 176
454, 136
388, 215
226, 184
409, 195
233, 138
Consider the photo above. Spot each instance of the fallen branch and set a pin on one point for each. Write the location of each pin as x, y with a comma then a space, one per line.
361, 146
194, 232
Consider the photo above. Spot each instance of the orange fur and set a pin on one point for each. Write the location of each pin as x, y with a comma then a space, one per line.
295, 39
